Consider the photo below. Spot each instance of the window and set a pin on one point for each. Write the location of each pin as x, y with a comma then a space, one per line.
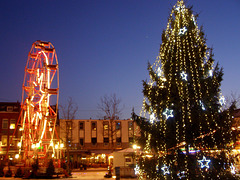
130, 125
118, 139
105, 126
12, 124
81, 141
5, 124
128, 159
130, 140
11, 139
94, 141
106, 140
81, 125
69, 140
118, 125
94, 126
9, 108
4, 140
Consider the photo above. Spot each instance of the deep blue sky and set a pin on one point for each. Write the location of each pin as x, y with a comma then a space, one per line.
103, 46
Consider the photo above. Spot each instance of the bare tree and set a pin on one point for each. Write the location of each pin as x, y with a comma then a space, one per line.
233, 99
110, 105
68, 112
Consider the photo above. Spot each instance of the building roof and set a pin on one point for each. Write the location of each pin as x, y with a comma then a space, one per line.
9, 103
237, 113
15, 106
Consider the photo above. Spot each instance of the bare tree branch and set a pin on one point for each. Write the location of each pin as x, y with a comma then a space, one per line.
69, 109
234, 98
68, 112
110, 106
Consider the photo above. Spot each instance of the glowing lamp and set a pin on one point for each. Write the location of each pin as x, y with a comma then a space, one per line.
19, 144
134, 146
12, 126
56, 146
17, 156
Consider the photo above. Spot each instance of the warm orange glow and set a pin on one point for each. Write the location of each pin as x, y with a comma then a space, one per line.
39, 78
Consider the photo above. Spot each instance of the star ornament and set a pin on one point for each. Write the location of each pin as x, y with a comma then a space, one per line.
210, 73
183, 75
180, 8
152, 118
222, 100
202, 105
165, 170
182, 31
181, 174
233, 169
168, 113
204, 162
136, 169
194, 20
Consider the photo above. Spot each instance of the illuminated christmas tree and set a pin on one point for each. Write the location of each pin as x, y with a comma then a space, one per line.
182, 117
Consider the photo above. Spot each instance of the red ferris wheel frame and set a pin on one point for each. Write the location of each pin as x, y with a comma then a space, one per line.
40, 89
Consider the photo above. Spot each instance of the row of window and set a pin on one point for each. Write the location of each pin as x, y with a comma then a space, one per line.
105, 140
6, 126
106, 126
9, 108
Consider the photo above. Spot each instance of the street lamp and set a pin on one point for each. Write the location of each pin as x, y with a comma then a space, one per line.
136, 146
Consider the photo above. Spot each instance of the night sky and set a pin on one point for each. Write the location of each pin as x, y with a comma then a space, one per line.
103, 46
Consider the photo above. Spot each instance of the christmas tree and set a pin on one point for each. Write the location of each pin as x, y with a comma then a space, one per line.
183, 124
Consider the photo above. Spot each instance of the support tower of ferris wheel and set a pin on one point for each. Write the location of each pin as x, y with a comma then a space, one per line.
39, 101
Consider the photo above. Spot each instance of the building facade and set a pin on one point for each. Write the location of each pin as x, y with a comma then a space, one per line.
9, 114
92, 141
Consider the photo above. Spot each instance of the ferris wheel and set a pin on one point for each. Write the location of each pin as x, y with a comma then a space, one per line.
39, 99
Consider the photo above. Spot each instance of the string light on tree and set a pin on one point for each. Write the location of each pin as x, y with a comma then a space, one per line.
204, 162
188, 97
